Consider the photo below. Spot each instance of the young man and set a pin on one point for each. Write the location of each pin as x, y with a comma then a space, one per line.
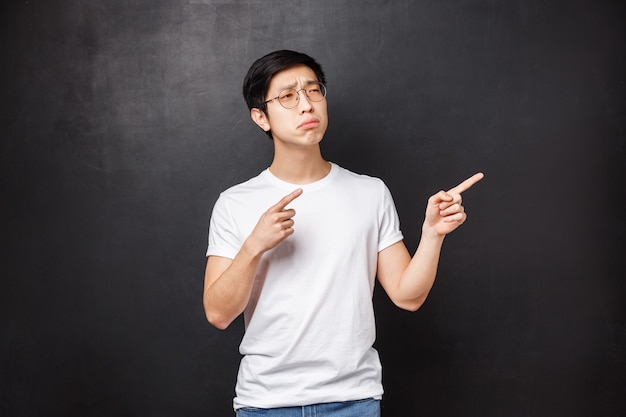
297, 249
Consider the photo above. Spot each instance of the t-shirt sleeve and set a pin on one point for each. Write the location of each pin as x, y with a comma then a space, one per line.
223, 238
389, 223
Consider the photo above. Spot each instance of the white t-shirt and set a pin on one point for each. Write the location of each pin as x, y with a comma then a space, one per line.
310, 320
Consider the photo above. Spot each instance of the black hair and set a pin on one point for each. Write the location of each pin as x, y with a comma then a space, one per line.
259, 76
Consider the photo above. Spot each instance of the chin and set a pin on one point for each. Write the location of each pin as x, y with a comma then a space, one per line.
313, 139
308, 139
316, 136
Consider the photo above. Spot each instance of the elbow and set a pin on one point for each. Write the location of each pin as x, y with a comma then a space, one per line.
411, 305
215, 316
217, 320
220, 325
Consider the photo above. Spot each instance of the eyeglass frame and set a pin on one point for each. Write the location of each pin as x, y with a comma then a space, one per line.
298, 95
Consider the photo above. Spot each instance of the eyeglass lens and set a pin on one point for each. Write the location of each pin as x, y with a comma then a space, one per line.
289, 98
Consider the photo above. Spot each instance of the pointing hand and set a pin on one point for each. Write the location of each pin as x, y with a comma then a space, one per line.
275, 225
445, 212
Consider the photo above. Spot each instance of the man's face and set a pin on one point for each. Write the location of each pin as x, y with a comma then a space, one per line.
302, 125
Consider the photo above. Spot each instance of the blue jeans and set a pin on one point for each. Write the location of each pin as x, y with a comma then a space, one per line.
359, 408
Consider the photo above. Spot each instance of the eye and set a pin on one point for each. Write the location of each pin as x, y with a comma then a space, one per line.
287, 95
315, 91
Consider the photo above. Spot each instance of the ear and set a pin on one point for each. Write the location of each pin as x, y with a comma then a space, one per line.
260, 118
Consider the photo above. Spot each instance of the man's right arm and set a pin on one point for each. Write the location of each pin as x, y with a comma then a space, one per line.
227, 286
228, 282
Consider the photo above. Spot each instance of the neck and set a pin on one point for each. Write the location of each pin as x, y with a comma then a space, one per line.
302, 167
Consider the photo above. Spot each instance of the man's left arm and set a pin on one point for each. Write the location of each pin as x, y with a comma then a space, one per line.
407, 281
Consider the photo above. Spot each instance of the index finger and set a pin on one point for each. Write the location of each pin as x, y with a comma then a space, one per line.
286, 200
467, 184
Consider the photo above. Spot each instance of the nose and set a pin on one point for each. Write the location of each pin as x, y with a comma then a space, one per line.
304, 104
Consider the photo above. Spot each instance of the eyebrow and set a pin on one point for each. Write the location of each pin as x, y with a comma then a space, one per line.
294, 85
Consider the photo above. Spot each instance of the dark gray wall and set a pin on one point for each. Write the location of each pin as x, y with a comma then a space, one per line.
121, 121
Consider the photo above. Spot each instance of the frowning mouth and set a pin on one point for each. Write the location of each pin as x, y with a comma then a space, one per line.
309, 124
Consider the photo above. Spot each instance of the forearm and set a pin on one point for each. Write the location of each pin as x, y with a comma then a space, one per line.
419, 276
444, 213
227, 296
228, 284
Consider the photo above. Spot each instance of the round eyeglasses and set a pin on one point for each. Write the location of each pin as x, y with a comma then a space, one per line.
289, 97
